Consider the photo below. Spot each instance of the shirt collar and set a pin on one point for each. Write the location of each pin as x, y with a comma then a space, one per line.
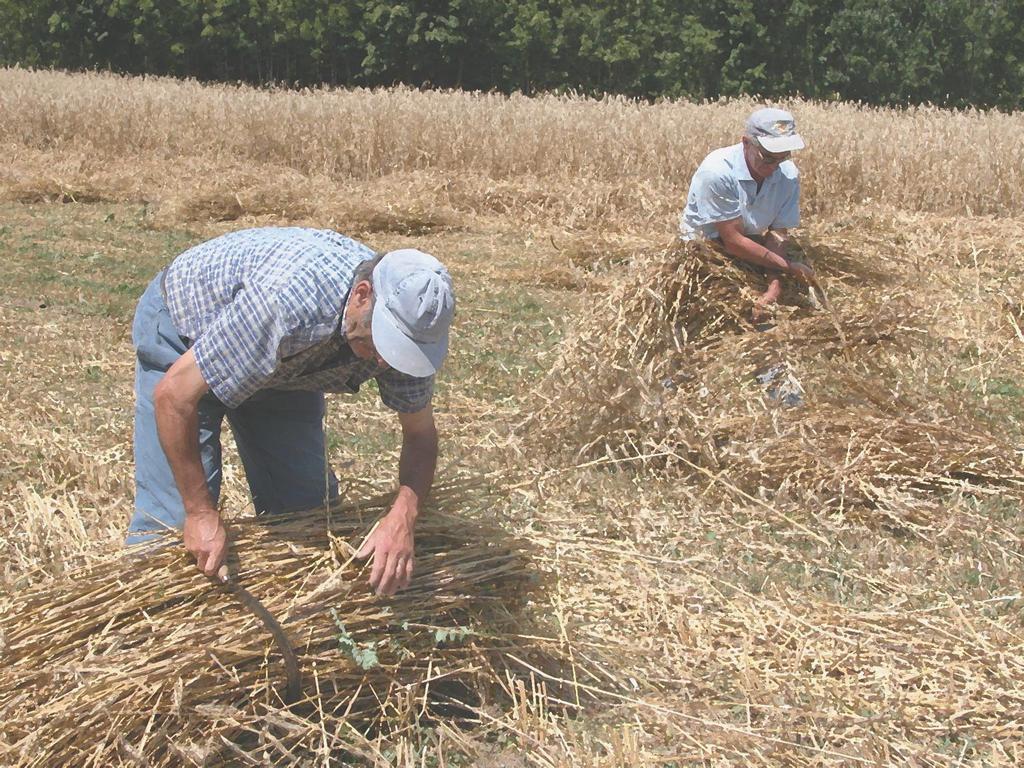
340, 329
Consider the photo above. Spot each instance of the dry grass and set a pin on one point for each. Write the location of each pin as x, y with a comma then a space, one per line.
723, 580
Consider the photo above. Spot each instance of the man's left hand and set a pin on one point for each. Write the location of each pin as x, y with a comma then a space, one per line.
801, 272
392, 547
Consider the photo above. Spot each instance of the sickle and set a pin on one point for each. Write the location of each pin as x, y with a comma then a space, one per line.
293, 688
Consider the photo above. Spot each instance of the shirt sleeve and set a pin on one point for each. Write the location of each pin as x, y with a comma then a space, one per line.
240, 350
713, 197
403, 393
789, 214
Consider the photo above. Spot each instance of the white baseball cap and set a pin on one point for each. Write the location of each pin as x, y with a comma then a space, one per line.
412, 311
774, 129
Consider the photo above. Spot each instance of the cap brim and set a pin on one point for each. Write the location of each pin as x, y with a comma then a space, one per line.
776, 144
399, 351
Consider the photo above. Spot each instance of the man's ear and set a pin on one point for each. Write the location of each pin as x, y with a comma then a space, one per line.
362, 291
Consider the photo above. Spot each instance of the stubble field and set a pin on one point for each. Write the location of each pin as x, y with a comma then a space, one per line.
725, 580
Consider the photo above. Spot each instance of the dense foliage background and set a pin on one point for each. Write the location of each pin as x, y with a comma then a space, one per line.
949, 52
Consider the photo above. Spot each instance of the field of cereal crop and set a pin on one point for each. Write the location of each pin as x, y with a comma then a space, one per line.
718, 580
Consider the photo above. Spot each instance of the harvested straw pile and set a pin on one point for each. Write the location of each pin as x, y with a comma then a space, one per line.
626, 358
825, 406
145, 662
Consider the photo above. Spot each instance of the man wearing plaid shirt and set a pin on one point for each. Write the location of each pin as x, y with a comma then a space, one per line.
255, 326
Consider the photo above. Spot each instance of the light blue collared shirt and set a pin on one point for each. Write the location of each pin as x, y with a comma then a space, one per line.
722, 189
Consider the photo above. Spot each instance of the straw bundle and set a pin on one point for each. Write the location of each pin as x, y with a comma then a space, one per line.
631, 354
144, 661
825, 405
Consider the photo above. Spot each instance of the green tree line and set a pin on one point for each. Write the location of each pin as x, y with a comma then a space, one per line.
950, 52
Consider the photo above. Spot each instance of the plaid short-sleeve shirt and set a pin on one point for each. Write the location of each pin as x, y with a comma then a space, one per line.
264, 308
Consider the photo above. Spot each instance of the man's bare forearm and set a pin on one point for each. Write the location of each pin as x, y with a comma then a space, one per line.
742, 247
177, 424
416, 468
176, 405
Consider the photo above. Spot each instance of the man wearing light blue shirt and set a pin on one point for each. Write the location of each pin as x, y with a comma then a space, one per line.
747, 197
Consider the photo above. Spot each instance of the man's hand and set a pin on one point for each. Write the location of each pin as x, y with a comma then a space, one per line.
801, 272
392, 547
207, 540
391, 542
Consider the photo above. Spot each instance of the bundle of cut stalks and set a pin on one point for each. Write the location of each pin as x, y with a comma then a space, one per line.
629, 355
825, 404
143, 661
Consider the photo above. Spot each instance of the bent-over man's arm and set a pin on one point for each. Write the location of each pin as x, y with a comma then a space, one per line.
392, 542
737, 244
176, 405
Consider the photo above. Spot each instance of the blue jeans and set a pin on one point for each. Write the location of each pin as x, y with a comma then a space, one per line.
279, 434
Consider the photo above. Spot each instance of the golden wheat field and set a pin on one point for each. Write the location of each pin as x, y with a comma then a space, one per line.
634, 555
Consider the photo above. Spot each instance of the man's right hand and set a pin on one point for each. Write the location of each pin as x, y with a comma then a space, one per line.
206, 539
